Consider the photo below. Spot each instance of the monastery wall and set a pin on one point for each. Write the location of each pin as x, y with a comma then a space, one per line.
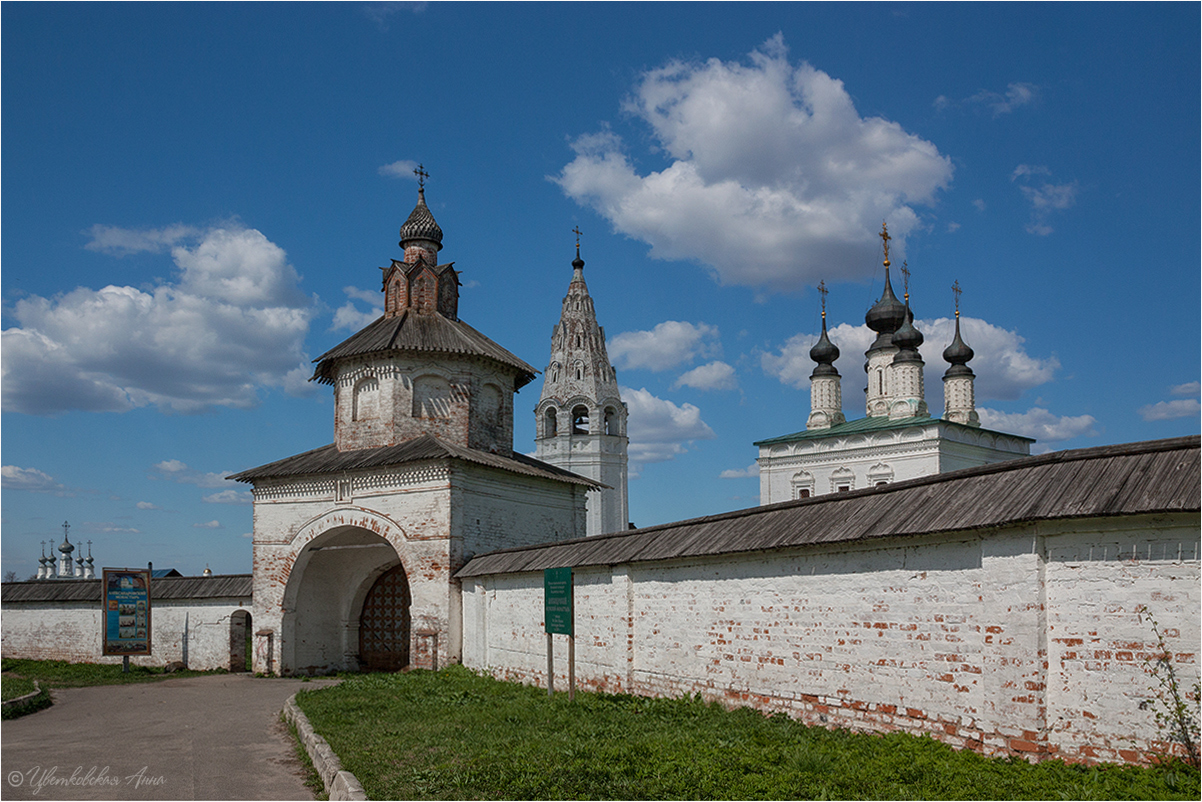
197, 632
1025, 640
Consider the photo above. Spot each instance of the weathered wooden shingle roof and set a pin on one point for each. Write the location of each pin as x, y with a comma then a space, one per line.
329, 459
1159, 476
413, 332
219, 586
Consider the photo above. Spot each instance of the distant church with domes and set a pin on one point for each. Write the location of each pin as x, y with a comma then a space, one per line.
897, 438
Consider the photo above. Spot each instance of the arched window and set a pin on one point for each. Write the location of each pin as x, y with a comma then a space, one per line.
580, 419
611, 421
365, 399
431, 397
579, 370
550, 423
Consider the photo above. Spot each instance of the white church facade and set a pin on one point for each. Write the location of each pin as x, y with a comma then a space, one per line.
897, 439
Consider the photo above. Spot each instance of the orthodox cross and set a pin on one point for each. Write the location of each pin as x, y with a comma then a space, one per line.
578, 232
956, 291
905, 271
89, 549
66, 527
885, 239
422, 175
822, 289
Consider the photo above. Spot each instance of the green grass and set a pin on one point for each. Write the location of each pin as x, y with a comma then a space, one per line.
455, 735
12, 686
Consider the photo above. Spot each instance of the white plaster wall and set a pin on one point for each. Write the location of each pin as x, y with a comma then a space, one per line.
971, 638
194, 631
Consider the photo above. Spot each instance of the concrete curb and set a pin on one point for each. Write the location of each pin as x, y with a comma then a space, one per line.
20, 700
339, 784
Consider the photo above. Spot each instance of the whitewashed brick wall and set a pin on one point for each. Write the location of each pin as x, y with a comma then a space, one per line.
1019, 641
72, 631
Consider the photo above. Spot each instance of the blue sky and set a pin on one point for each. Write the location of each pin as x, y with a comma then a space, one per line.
197, 199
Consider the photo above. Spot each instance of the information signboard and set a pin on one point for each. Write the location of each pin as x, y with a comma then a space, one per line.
126, 611
557, 601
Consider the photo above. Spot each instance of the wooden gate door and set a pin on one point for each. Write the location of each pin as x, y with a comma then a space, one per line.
384, 624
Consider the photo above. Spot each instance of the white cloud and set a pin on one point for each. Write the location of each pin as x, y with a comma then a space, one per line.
14, 478
710, 376
669, 344
230, 497
178, 471
751, 470
209, 525
106, 528
1016, 94
1003, 367
1170, 410
1039, 424
146, 505
399, 169
1189, 388
658, 429
348, 316
125, 241
1045, 198
232, 321
774, 180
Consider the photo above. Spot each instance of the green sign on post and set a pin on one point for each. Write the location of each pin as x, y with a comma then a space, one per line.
557, 601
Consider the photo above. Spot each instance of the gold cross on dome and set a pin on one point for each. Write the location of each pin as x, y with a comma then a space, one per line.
422, 175
956, 291
578, 232
885, 239
822, 289
905, 271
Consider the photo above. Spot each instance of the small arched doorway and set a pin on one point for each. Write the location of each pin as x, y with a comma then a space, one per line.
240, 641
384, 623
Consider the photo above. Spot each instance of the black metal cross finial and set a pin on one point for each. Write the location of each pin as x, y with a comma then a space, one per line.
885, 239
905, 271
66, 527
422, 175
956, 291
822, 289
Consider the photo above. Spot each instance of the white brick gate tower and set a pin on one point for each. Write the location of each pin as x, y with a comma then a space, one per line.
356, 543
580, 417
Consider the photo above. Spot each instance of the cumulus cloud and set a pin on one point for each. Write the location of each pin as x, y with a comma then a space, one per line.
1170, 410
1039, 424
658, 429
1016, 94
349, 316
1189, 388
230, 497
233, 320
209, 525
1045, 198
147, 505
15, 478
399, 169
1003, 367
178, 471
124, 241
669, 344
751, 470
774, 180
711, 376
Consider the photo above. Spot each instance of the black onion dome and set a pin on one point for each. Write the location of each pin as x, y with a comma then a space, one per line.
421, 224
824, 352
958, 354
886, 315
907, 338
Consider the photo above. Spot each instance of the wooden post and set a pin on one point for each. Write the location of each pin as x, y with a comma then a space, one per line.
571, 668
550, 668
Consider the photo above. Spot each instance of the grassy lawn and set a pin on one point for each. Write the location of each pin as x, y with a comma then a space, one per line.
59, 674
454, 735
12, 686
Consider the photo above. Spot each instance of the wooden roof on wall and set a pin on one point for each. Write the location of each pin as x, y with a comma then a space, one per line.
218, 586
1159, 476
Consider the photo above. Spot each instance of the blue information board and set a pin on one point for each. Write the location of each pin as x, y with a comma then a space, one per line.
126, 611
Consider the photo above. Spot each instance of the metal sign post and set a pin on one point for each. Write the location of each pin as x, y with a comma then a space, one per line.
558, 618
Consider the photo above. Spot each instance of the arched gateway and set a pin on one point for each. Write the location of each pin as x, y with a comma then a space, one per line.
356, 543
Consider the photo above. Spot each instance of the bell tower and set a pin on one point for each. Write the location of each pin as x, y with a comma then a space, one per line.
580, 417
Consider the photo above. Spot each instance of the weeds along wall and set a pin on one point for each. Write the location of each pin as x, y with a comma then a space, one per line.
204, 634
1023, 640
